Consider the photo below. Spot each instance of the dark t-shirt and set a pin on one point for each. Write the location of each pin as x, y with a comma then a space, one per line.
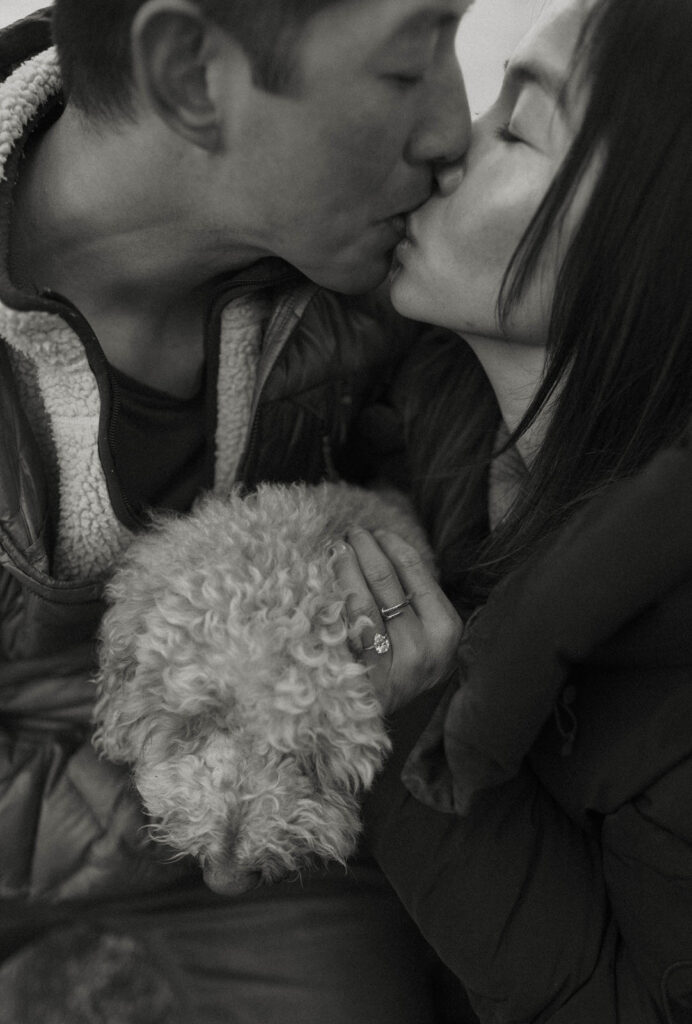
158, 442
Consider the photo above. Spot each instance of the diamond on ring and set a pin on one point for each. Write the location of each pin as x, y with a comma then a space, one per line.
381, 644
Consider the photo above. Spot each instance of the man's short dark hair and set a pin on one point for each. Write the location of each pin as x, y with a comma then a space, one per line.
93, 40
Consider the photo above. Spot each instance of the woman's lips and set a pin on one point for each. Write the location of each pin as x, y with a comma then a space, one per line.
409, 238
398, 222
401, 250
401, 225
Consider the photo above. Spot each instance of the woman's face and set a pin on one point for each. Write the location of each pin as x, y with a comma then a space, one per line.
450, 268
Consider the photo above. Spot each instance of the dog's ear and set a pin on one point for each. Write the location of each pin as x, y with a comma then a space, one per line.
347, 769
115, 735
115, 682
121, 699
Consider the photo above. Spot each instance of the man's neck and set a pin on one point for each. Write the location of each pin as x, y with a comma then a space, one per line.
103, 219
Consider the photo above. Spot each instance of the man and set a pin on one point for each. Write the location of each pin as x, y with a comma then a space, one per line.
168, 216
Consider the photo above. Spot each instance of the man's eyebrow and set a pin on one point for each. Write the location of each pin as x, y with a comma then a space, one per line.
432, 17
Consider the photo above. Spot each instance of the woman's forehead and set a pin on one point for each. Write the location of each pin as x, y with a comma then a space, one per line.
549, 45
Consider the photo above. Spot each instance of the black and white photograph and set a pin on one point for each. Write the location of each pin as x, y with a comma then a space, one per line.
345, 512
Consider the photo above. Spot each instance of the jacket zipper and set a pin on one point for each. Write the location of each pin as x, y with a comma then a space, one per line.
297, 312
83, 329
91, 343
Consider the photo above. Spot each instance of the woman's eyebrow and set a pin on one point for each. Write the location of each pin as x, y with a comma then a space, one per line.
530, 73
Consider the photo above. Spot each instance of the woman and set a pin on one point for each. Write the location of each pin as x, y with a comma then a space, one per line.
542, 835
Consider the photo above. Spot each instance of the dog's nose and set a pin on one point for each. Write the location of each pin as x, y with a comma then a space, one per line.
230, 881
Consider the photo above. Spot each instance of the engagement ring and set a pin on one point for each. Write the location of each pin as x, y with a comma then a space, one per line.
380, 645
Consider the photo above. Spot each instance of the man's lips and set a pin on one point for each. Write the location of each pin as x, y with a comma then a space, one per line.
407, 242
410, 228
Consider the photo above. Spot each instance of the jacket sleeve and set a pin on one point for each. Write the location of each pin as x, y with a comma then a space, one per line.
71, 827
540, 920
541, 917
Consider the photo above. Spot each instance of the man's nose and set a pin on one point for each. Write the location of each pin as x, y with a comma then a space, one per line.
443, 131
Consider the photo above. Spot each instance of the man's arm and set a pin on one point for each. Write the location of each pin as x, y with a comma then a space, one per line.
71, 825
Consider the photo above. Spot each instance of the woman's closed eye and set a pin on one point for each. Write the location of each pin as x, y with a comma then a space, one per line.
406, 81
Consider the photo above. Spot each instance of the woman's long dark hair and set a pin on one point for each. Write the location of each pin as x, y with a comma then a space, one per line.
621, 325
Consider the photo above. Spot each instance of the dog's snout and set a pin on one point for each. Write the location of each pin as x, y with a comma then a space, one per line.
231, 882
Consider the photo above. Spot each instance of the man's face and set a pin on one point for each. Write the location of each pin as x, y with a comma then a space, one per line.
323, 177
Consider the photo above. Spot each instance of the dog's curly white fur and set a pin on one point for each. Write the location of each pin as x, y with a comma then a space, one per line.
228, 684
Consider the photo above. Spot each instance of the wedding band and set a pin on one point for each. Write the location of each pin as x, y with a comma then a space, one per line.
396, 609
381, 644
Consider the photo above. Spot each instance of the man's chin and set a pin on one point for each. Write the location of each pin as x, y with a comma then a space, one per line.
353, 278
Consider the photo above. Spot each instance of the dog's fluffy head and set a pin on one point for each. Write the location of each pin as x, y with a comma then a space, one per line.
228, 685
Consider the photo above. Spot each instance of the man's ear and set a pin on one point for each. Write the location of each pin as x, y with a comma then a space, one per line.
172, 45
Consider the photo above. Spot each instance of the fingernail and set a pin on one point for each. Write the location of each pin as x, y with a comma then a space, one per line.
336, 549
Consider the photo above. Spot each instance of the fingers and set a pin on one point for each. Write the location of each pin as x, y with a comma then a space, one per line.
437, 615
368, 636
363, 614
384, 585
361, 606
441, 628
416, 577
380, 572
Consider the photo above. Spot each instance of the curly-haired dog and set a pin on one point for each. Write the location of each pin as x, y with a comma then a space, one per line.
227, 681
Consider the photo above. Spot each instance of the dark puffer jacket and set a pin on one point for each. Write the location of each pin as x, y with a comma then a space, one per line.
542, 834
70, 828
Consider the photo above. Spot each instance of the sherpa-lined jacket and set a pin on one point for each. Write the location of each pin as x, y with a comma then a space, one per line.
540, 833
289, 367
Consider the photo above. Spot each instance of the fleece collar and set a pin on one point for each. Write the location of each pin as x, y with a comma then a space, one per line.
21, 97
61, 373
55, 382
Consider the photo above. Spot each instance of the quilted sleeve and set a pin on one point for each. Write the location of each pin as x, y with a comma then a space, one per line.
541, 920
71, 826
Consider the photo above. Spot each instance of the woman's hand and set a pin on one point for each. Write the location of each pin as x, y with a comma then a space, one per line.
395, 604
